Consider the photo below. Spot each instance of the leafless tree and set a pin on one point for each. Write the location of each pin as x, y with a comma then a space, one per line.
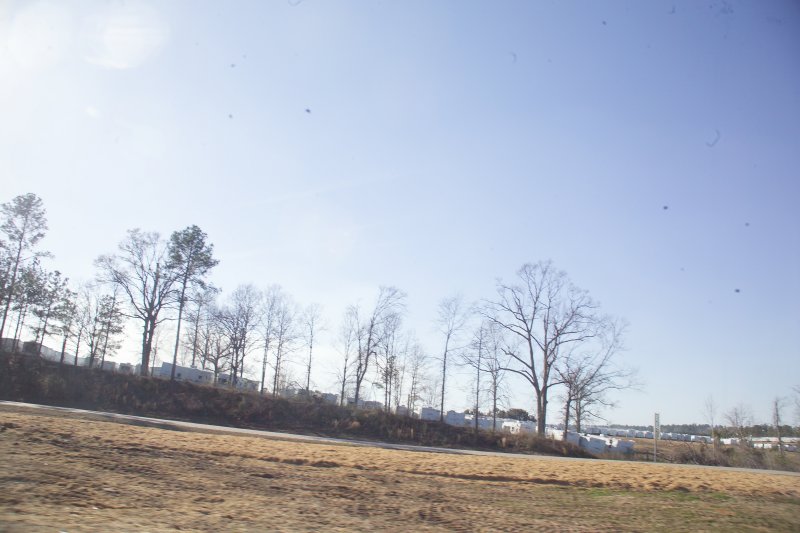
588, 375
547, 316
273, 300
777, 420
347, 343
796, 391
406, 352
416, 361
388, 362
475, 357
286, 334
83, 318
214, 346
369, 331
239, 319
202, 300
429, 390
141, 270
494, 367
312, 325
94, 330
710, 412
158, 348
451, 319
739, 418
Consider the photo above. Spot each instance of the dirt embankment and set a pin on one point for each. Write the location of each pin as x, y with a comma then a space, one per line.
65, 474
29, 379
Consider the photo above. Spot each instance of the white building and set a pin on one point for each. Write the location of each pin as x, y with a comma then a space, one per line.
455, 419
183, 373
429, 413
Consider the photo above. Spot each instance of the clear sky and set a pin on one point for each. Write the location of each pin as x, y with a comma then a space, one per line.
333, 146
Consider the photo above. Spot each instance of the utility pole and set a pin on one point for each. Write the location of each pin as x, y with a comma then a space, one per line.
656, 434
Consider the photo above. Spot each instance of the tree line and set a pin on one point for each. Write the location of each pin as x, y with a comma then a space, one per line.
540, 326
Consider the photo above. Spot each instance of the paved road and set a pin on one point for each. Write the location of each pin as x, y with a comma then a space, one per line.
178, 425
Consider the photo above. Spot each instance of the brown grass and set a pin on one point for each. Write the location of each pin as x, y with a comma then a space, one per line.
61, 473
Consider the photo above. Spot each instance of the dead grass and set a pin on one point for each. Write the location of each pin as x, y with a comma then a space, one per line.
700, 453
66, 474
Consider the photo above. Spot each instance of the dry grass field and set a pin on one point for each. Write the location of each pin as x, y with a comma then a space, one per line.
65, 473
725, 455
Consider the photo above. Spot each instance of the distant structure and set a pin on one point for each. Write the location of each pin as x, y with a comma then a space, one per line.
182, 373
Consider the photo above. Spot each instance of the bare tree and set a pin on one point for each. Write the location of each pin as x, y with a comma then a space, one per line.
311, 323
214, 344
347, 342
285, 331
739, 418
202, 299
142, 271
103, 322
588, 375
239, 319
710, 412
796, 391
416, 361
369, 331
83, 320
389, 363
158, 345
475, 356
94, 334
547, 315
777, 420
402, 367
273, 300
451, 320
494, 366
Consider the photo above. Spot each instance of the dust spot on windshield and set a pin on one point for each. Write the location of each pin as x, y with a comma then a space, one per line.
717, 137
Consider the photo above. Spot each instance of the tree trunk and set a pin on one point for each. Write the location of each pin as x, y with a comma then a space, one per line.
78, 346
63, 349
20, 323
541, 409
308, 370
194, 340
178, 330
444, 376
44, 330
494, 406
11, 288
264, 368
108, 327
147, 345
566, 418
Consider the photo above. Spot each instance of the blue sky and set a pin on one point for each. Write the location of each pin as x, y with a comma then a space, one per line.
332, 147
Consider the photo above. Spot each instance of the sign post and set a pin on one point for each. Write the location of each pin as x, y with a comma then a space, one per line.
656, 435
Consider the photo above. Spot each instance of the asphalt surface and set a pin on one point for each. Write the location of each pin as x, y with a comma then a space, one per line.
179, 425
